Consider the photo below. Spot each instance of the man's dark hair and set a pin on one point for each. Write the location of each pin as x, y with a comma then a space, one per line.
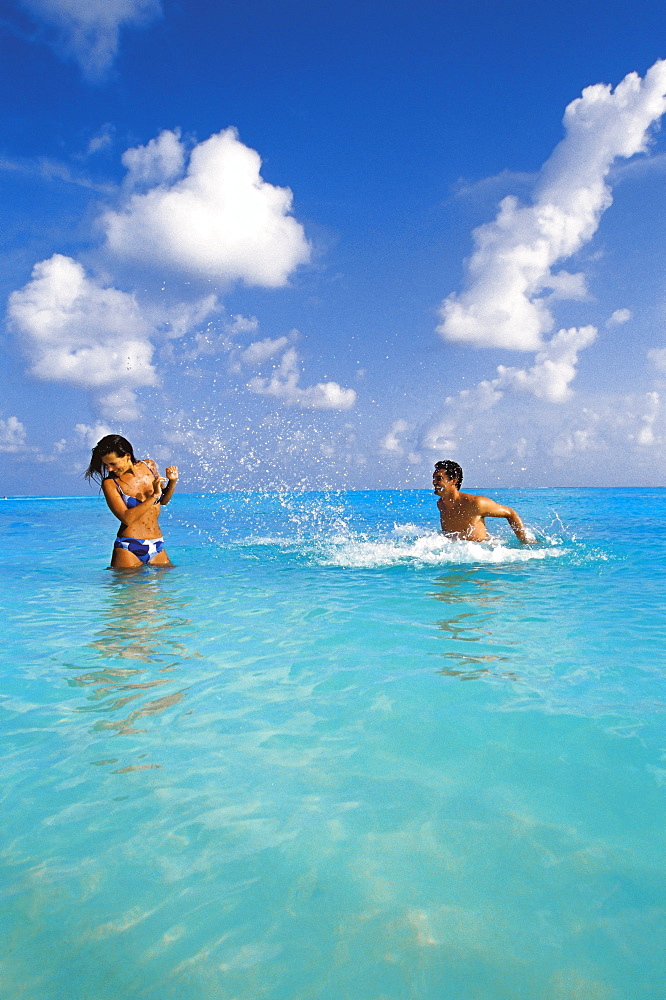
452, 470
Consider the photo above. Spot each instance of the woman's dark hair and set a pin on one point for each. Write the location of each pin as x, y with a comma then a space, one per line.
111, 443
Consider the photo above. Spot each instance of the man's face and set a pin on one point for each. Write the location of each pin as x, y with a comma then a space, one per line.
439, 480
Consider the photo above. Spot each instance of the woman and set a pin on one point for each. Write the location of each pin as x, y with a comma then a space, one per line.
135, 493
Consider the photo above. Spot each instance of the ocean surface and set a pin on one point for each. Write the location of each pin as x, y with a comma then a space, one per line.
332, 755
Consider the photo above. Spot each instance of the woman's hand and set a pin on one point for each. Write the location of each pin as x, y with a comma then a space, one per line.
172, 473
157, 487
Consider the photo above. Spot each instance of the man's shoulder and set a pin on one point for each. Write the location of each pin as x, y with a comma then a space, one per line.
475, 499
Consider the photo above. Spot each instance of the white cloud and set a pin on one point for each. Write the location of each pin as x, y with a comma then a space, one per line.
480, 398
260, 350
179, 318
76, 331
554, 368
88, 30
619, 317
283, 385
590, 438
440, 437
657, 355
220, 221
512, 285
547, 379
574, 442
158, 162
12, 435
510, 272
391, 442
646, 435
101, 140
89, 436
242, 324
119, 404
624, 424
52, 170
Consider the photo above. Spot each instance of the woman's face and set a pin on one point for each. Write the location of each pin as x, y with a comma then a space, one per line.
117, 464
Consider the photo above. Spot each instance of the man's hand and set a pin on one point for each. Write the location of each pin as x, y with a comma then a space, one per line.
519, 529
172, 473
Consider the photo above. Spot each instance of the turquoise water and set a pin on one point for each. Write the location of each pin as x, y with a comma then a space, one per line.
332, 755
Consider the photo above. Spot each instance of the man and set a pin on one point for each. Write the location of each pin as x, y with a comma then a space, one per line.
463, 515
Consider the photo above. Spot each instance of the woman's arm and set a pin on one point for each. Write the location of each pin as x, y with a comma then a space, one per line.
172, 479
115, 503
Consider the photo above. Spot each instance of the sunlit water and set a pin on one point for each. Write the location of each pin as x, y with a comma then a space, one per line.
334, 756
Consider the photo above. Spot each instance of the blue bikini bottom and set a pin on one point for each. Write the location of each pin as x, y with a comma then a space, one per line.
144, 549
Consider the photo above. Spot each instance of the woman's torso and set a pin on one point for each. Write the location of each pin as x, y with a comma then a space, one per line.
134, 488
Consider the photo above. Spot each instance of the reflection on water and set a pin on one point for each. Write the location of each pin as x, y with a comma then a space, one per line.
141, 621
479, 622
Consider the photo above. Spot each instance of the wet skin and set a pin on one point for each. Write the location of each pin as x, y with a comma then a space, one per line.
462, 515
142, 481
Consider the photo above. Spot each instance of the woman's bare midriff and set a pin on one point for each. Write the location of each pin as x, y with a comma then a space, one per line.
144, 527
140, 486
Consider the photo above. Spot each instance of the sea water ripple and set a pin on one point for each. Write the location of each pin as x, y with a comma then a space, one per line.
334, 754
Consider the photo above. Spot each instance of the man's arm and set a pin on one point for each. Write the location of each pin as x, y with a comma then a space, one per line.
488, 508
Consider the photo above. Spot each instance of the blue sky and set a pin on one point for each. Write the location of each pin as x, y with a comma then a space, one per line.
325, 246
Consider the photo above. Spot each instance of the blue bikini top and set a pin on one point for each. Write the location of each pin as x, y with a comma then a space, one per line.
130, 501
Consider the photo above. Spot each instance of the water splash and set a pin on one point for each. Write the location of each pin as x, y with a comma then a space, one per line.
410, 545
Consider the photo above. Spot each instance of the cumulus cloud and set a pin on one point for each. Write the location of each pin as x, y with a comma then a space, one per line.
440, 437
511, 282
283, 384
591, 438
554, 369
179, 318
242, 324
657, 355
89, 436
261, 350
646, 435
619, 317
74, 330
629, 425
391, 441
88, 30
101, 140
480, 398
12, 435
119, 404
207, 213
548, 379
573, 442
219, 220
158, 162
